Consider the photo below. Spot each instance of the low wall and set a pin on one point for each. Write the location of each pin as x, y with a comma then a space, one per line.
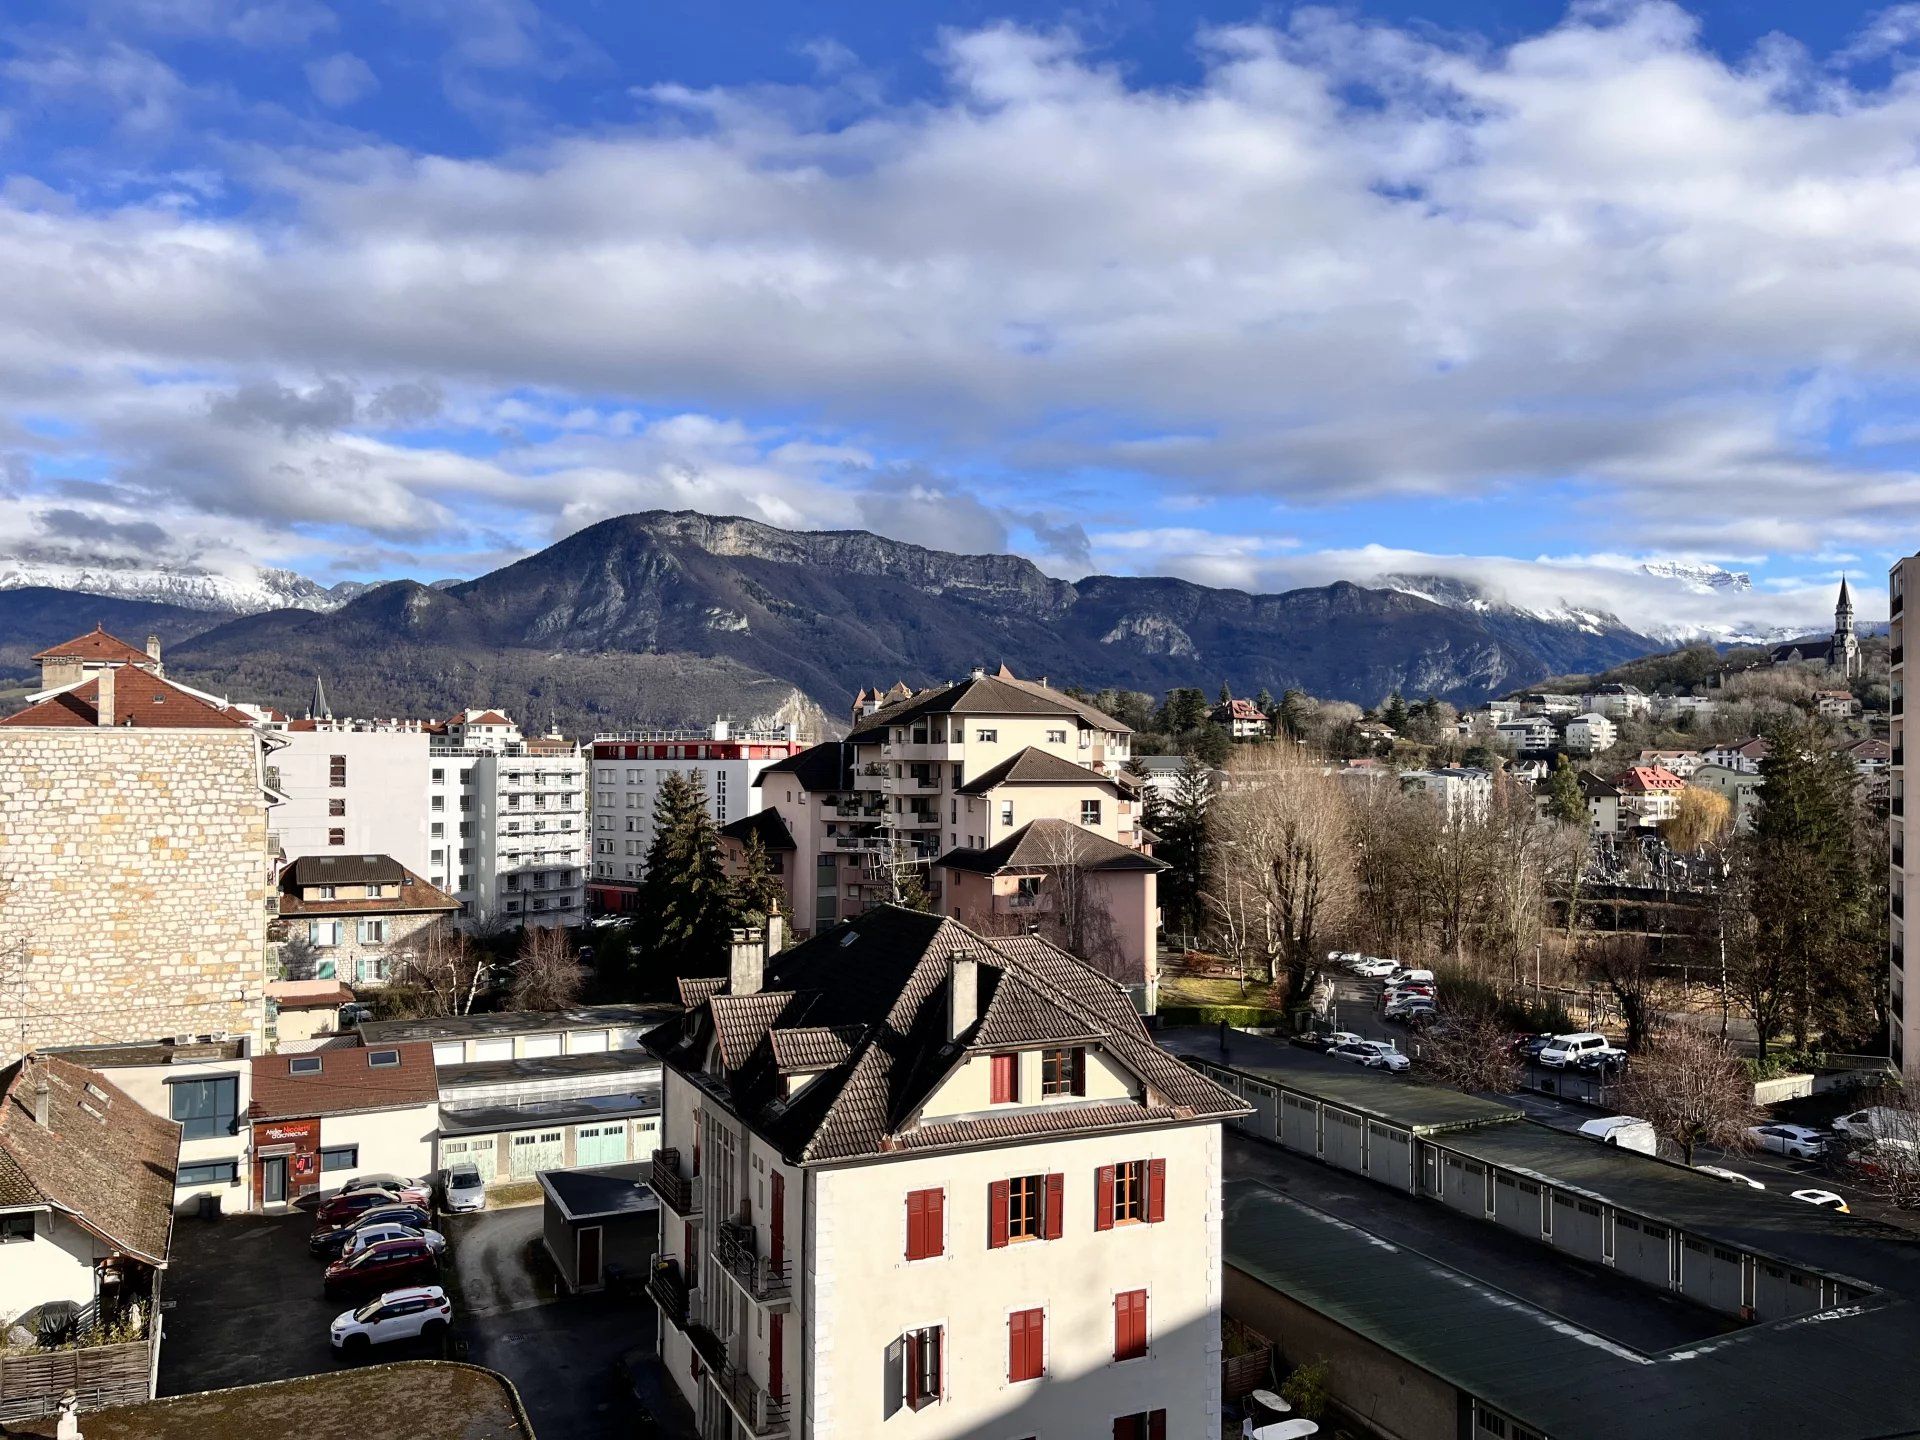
1784, 1087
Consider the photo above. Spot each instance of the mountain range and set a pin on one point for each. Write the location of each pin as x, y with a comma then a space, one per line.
677, 617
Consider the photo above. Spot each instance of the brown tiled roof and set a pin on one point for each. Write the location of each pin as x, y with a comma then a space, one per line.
102, 1158
1000, 694
413, 896
345, 870
1034, 766
303, 999
696, 990
96, 644
823, 769
1020, 1124
881, 980
812, 1047
346, 1085
1043, 844
141, 700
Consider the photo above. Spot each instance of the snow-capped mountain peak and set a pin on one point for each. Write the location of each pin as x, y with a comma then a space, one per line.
1698, 576
243, 592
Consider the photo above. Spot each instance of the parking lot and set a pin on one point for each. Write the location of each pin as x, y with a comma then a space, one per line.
243, 1305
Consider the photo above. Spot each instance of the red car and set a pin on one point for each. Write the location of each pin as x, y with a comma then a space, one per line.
350, 1205
384, 1266
414, 1192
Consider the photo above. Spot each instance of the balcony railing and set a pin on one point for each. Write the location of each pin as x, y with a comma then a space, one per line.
736, 1247
667, 1288
751, 1405
1899, 904
675, 1190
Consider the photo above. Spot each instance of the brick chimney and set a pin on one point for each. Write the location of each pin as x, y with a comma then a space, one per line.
153, 649
42, 1098
105, 712
963, 996
748, 967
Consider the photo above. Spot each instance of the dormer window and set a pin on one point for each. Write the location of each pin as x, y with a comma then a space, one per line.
1063, 1071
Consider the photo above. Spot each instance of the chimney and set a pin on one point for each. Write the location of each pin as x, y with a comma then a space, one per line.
963, 996
105, 710
749, 964
42, 1098
776, 933
153, 648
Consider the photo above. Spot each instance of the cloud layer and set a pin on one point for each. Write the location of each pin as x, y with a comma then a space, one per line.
1597, 289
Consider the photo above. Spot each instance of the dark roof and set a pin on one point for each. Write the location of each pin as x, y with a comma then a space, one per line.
812, 1047
1041, 844
1812, 648
1034, 766
1001, 694
345, 870
151, 1052
1593, 787
96, 644
102, 1158
881, 982
624, 1063
511, 1022
479, 1118
141, 701
412, 895
767, 824
347, 1083
823, 769
601, 1191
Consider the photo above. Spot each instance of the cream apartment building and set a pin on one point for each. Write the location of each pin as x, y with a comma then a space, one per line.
921, 1182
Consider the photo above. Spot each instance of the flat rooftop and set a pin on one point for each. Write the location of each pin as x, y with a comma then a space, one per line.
151, 1052
1399, 1100
514, 1022
601, 1191
413, 1400
549, 1067
568, 1110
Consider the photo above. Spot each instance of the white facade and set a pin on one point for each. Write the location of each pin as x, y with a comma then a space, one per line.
1530, 734
57, 1263
213, 1149
1590, 734
507, 832
1461, 789
353, 792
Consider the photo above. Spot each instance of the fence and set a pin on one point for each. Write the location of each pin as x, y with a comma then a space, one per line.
32, 1381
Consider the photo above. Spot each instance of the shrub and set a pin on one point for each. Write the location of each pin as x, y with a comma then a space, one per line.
1240, 1015
1460, 991
1306, 1389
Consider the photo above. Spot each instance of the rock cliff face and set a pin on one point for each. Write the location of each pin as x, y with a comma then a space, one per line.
675, 617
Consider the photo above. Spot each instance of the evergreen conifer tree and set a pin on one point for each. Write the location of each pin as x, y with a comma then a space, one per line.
1185, 846
1564, 800
687, 902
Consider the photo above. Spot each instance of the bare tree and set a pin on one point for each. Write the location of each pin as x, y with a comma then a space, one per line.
1621, 963
547, 973
442, 967
1692, 1089
1886, 1163
1472, 1051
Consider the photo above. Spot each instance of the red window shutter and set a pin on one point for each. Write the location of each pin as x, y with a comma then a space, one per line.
996, 1215
936, 1223
1079, 1071
1130, 1325
1156, 1425
776, 1379
1054, 1192
1016, 1344
1103, 1198
1156, 1191
916, 1224
913, 1372
1006, 1079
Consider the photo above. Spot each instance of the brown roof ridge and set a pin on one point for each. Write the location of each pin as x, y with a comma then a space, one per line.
96, 644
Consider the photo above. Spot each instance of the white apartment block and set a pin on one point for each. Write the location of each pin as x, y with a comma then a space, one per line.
1591, 733
1904, 576
1463, 791
354, 788
628, 771
915, 1181
507, 831
1527, 735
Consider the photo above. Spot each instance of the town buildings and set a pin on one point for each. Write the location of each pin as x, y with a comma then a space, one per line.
1742, 755
1839, 651
1591, 733
1463, 791
350, 917
1650, 794
319, 1118
1242, 720
628, 771
1526, 734
917, 1177
1740, 787
137, 868
357, 787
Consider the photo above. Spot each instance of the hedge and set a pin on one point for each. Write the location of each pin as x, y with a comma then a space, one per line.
1240, 1015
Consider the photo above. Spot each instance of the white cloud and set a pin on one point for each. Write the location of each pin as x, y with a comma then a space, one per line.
341, 80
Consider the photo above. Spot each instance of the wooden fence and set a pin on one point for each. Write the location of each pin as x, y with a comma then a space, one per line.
32, 1381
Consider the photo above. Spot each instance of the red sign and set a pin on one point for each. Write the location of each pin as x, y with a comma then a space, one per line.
304, 1134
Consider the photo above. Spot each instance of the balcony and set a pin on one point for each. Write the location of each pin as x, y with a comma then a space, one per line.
736, 1247
916, 819
667, 1288
1897, 654
675, 1190
753, 1407
1897, 604
1899, 905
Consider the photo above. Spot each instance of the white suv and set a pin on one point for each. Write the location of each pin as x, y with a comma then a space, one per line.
1563, 1050
417, 1311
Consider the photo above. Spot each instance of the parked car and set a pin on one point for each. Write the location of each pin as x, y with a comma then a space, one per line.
361, 1236
1886, 1157
1309, 1039
1372, 1054
329, 1240
463, 1189
413, 1313
1877, 1122
1629, 1132
1405, 1010
1732, 1177
414, 1192
351, 1205
1337, 1038
1796, 1141
1825, 1199
382, 1267
1562, 1050
1406, 992
1401, 975
1604, 1064
1528, 1047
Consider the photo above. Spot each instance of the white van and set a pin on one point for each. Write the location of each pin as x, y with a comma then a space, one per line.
1629, 1132
1877, 1122
1563, 1050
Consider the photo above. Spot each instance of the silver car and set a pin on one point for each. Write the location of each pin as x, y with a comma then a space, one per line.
464, 1188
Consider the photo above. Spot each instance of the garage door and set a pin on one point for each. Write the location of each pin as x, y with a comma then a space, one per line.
1641, 1250
1390, 1156
1710, 1275
586, 1042
481, 1152
1516, 1205
1299, 1125
1577, 1227
492, 1050
1343, 1140
1466, 1186
600, 1144
1779, 1293
536, 1150
1265, 1120
536, 1047
449, 1052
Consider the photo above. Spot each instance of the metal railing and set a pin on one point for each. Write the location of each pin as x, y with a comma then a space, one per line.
751, 1405
675, 1190
736, 1247
667, 1288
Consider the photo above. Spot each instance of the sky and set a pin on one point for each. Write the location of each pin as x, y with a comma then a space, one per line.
1257, 295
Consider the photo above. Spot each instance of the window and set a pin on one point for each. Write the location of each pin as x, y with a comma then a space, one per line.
1130, 1325
1089, 812
323, 934
1063, 1071
340, 1157
1132, 1193
1056, 737
205, 1108
924, 1367
337, 771
336, 837
376, 892
210, 1172
374, 932
439, 776
1145, 1425
987, 737
383, 1059
304, 1065
926, 1224
336, 808
15, 1228
1028, 1207
1006, 1079
1026, 1345
1006, 812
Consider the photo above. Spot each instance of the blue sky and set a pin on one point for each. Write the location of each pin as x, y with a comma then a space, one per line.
1260, 296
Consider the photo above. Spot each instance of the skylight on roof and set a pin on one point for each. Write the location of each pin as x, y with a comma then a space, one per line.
848, 938
304, 1065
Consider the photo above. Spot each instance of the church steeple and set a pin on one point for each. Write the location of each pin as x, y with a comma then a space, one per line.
1843, 612
317, 708
1845, 654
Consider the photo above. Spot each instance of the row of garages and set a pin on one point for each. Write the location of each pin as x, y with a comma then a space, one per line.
1458, 1162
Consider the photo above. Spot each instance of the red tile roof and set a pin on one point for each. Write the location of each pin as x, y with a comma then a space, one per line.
141, 701
1644, 778
346, 1084
96, 644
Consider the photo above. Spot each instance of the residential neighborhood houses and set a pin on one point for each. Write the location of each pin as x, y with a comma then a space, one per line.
887, 1119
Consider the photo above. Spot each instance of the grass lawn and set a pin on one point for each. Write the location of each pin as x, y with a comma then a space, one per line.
1196, 990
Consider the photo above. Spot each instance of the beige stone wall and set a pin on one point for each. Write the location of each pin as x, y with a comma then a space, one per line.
134, 881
